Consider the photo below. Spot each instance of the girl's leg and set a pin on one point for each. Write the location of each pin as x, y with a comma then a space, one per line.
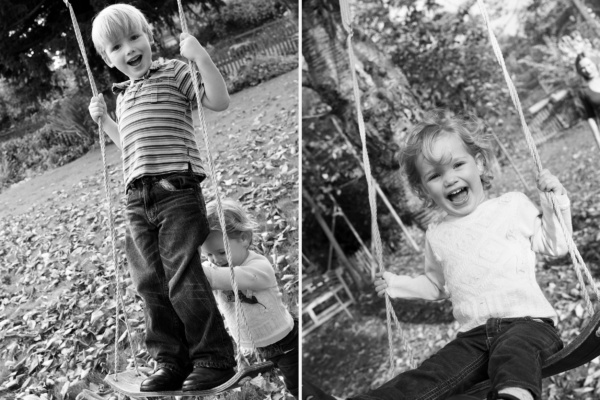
288, 366
453, 369
284, 354
517, 352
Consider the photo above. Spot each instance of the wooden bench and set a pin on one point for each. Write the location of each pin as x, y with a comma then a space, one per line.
322, 298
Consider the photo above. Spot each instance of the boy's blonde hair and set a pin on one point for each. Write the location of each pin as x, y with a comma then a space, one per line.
237, 219
116, 21
421, 138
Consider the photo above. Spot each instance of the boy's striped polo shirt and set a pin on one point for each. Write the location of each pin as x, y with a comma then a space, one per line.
155, 122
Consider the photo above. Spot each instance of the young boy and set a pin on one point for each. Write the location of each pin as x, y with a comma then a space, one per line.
166, 214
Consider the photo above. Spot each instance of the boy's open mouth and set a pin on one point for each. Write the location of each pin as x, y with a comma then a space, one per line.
459, 196
134, 62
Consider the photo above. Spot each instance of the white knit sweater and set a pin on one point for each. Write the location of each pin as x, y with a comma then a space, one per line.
268, 319
485, 261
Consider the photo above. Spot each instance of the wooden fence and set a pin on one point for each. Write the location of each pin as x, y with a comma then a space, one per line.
276, 38
552, 116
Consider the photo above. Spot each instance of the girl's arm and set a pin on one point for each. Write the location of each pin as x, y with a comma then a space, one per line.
256, 275
595, 131
429, 286
590, 114
548, 237
215, 97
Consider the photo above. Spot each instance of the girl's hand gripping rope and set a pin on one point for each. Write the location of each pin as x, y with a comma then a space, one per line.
380, 284
546, 182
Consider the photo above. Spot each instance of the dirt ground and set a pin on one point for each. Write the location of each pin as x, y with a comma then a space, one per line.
248, 108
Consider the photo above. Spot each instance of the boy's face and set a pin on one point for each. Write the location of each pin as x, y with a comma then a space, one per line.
130, 53
214, 249
453, 183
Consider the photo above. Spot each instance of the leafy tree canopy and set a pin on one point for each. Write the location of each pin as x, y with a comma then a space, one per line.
34, 31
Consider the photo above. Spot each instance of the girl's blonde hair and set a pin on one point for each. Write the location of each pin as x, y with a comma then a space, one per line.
237, 219
116, 21
421, 138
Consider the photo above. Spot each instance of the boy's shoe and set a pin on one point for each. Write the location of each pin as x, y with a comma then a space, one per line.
162, 380
203, 378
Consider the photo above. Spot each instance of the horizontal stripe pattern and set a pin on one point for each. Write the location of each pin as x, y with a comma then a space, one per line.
155, 122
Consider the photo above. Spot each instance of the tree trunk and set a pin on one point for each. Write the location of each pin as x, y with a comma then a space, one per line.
356, 277
389, 106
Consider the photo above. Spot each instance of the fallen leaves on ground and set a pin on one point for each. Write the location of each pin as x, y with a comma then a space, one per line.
57, 275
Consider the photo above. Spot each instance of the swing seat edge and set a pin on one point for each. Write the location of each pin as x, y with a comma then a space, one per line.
128, 382
584, 348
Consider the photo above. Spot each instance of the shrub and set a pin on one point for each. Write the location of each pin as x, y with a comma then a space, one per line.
69, 115
240, 15
67, 134
260, 69
68, 131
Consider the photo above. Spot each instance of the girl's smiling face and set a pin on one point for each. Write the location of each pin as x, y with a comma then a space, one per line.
214, 249
450, 175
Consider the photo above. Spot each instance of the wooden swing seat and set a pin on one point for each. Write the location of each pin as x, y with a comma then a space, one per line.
584, 348
128, 382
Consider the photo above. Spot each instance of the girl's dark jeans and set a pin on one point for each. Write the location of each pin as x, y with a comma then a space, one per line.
284, 354
507, 351
166, 222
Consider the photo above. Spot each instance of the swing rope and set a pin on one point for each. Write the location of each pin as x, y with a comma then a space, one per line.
111, 219
578, 263
239, 311
390, 314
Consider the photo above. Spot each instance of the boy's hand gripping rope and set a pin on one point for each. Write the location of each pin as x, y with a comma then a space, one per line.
390, 314
239, 311
111, 220
578, 262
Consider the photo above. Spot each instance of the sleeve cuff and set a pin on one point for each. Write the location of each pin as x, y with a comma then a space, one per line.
208, 272
562, 199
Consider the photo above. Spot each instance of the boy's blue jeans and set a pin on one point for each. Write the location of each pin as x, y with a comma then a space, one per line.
507, 351
166, 218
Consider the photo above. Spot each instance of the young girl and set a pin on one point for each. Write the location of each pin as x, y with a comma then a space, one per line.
481, 256
272, 327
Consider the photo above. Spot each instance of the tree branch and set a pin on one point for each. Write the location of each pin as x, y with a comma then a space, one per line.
27, 16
